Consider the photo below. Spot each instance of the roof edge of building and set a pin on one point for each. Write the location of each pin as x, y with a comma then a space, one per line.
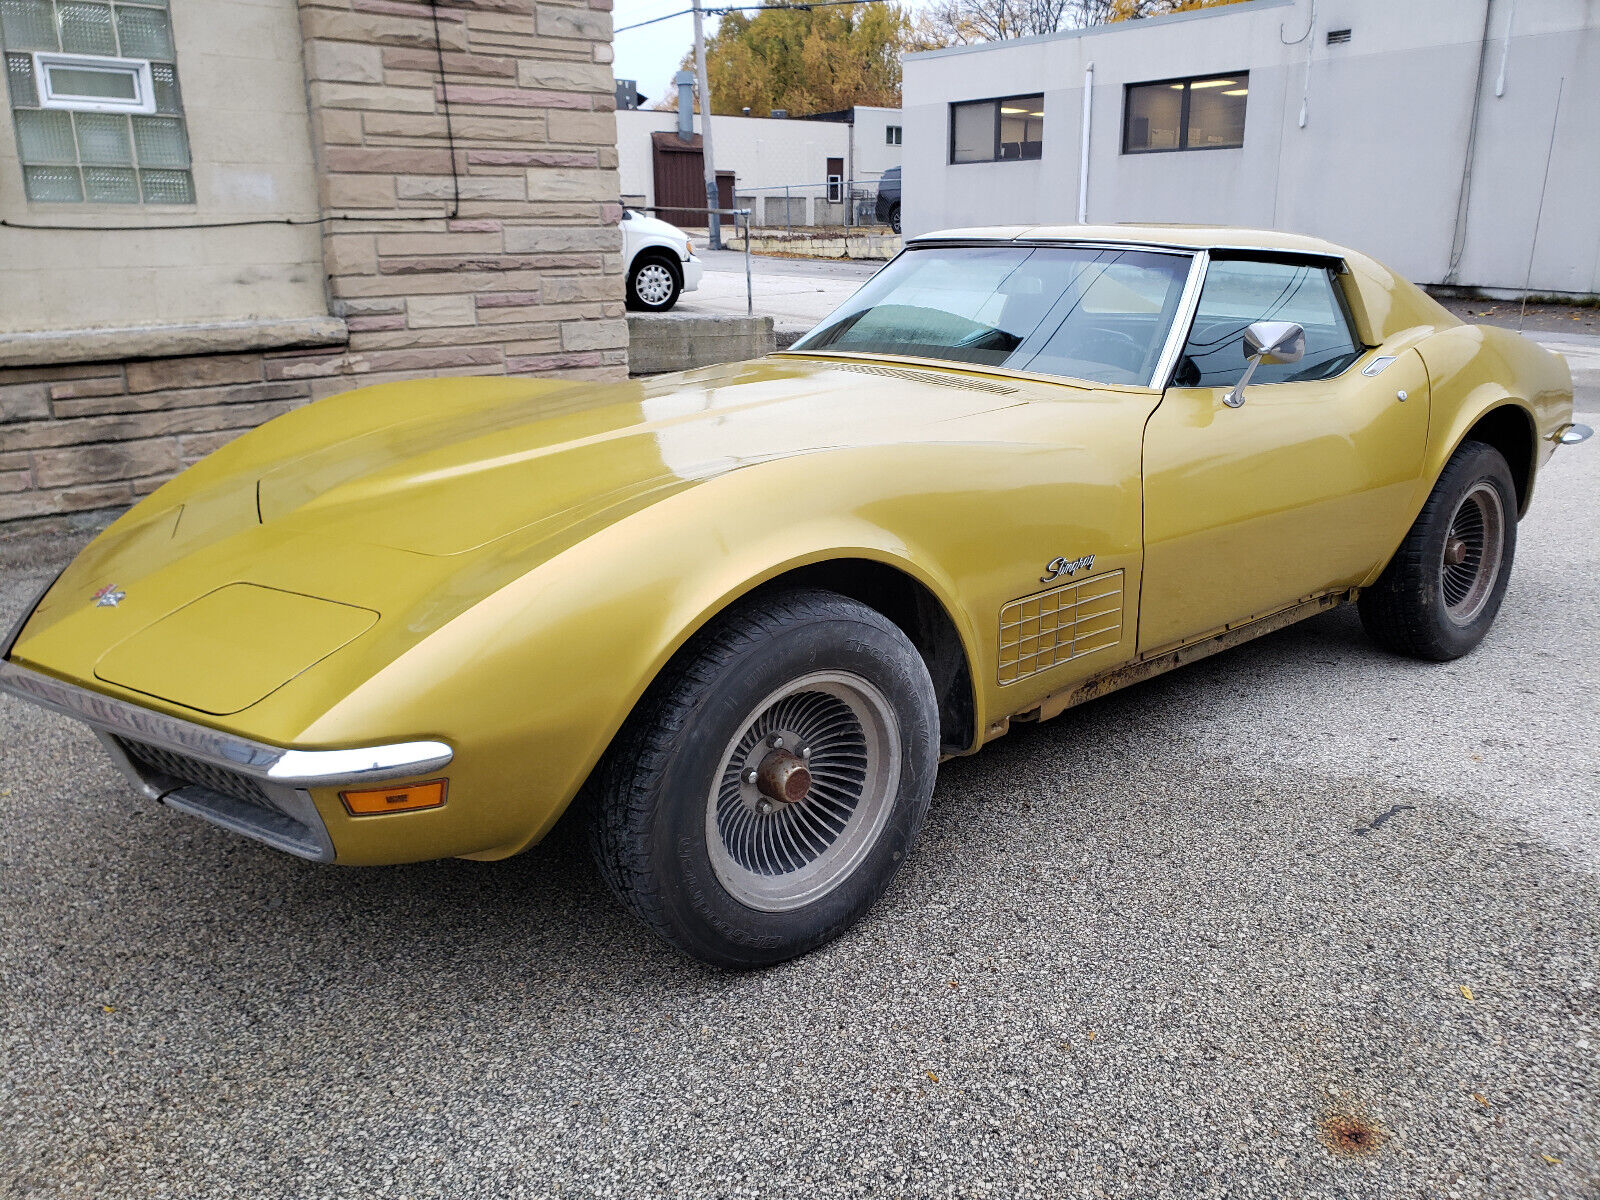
1111, 27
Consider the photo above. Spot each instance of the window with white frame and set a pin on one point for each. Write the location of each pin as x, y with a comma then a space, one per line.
891, 135
95, 100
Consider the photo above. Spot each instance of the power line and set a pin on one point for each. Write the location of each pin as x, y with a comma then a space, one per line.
724, 10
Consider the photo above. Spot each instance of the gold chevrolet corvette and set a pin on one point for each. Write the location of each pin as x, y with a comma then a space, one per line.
743, 612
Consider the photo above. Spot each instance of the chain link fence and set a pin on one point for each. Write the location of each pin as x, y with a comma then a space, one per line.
830, 204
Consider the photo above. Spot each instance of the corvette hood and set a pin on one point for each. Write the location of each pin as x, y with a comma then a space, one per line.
359, 524
451, 480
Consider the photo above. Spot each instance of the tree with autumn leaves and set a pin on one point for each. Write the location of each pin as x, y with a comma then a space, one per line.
807, 60
826, 59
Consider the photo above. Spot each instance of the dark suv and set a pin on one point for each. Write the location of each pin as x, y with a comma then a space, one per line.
888, 207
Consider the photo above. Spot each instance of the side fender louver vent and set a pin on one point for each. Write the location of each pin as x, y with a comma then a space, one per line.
933, 377
1049, 628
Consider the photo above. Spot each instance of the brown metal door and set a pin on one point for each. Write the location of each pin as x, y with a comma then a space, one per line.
680, 180
725, 192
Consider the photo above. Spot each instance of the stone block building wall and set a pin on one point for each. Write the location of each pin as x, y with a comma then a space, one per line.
469, 225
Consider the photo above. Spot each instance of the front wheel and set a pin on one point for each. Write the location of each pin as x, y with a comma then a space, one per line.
1439, 594
653, 284
894, 217
770, 785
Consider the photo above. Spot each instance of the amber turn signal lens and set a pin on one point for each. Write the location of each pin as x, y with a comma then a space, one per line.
407, 798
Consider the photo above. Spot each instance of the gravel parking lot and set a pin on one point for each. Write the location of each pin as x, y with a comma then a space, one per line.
1301, 920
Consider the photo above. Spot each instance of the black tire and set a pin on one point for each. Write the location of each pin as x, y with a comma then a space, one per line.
894, 217
1427, 607
651, 807
654, 283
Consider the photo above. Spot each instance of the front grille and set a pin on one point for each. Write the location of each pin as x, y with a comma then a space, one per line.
191, 770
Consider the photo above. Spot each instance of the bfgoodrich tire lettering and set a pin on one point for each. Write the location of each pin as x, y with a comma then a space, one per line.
804, 663
1439, 594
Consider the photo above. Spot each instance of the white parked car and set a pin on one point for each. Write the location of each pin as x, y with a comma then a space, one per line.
659, 261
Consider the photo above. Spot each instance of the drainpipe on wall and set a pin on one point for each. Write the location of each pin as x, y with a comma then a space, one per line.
1458, 241
1083, 166
1505, 50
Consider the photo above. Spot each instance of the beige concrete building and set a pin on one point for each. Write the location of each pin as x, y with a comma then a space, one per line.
212, 211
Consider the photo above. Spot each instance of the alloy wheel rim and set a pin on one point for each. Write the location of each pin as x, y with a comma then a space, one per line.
1469, 563
653, 283
831, 739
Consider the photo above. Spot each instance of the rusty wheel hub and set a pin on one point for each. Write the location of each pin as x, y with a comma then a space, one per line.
783, 778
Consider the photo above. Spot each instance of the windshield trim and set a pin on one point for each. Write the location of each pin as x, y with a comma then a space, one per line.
1177, 335
1182, 321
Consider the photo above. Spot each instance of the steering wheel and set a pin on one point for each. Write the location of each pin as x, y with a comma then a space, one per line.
1119, 349
987, 338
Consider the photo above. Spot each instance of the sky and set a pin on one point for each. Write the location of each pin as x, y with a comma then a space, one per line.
652, 54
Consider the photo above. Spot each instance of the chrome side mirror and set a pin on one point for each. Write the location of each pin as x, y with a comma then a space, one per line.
1270, 342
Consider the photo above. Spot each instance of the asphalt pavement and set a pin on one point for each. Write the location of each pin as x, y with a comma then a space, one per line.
1302, 920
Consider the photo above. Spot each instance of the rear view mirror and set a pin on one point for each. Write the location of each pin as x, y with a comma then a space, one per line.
1270, 342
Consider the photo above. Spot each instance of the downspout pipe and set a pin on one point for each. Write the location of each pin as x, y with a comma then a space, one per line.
1505, 50
1458, 241
1083, 163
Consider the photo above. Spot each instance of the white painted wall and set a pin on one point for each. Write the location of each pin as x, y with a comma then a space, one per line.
874, 155
766, 154
244, 98
1378, 164
761, 152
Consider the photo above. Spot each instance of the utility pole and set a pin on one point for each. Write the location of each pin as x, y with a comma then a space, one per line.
713, 220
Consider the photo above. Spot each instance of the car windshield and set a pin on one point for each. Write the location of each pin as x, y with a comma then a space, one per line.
1100, 314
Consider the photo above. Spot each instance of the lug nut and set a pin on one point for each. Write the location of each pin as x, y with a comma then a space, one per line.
805, 752
750, 776
764, 807
777, 741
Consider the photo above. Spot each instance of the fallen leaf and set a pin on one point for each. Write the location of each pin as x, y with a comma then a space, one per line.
1554, 1162
1480, 1099
933, 1077
1467, 992
1091, 1035
107, 1008
953, 983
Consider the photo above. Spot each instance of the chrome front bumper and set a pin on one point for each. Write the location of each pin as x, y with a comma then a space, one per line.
249, 787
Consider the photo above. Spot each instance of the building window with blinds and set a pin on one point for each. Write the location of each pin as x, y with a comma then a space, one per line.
95, 100
1204, 113
1009, 129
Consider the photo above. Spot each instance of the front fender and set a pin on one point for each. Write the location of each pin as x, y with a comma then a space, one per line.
531, 684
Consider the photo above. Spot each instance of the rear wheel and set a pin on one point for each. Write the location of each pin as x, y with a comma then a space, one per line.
1441, 592
653, 284
769, 786
894, 217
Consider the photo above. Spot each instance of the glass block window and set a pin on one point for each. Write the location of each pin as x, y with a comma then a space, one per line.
71, 65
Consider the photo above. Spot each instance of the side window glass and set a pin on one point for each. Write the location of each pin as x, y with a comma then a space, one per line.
1238, 292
